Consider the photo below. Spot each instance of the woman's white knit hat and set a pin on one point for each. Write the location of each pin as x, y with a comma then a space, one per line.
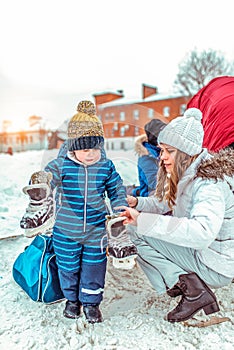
184, 133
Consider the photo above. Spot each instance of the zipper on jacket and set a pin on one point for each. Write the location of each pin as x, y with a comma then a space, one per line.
85, 196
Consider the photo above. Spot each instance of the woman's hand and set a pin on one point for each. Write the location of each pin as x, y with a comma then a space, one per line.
131, 215
132, 201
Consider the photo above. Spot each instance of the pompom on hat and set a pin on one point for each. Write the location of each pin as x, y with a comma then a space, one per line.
85, 130
184, 133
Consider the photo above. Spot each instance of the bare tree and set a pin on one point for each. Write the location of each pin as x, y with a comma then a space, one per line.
198, 68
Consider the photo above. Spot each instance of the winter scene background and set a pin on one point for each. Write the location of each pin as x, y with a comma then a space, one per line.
133, 313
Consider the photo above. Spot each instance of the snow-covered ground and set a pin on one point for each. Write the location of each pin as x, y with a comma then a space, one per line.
133, 313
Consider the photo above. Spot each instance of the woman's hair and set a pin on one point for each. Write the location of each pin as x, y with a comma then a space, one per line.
167, 183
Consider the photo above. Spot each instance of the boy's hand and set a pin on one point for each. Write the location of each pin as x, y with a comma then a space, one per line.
132, 201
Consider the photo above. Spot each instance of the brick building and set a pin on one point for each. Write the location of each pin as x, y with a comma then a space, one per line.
124, 119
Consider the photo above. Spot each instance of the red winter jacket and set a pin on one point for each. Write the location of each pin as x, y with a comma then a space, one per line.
216, 101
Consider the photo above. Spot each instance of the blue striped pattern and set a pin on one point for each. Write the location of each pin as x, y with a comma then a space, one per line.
80, 218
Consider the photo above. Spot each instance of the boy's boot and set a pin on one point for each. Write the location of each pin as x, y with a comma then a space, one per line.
196, 295
39, 216
92, 313
72, 309
120, 248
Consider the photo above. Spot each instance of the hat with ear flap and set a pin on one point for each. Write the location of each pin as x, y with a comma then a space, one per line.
152, 129
85, 130
185, 133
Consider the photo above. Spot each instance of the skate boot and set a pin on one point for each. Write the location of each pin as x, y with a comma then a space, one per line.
39, 216
121, 250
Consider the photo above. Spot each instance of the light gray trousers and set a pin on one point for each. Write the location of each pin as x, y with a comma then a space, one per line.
163, 263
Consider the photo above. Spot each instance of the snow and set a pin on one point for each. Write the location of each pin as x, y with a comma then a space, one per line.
133, 313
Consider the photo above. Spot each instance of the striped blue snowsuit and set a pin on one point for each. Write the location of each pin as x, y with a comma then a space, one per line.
79, 233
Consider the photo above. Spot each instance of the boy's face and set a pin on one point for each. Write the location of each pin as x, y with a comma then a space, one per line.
88, 156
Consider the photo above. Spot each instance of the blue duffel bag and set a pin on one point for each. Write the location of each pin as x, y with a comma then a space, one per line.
36, 272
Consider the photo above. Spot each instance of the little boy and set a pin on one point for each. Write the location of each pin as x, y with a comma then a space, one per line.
82, 179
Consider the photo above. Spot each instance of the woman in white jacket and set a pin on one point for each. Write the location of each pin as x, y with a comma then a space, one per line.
191, 250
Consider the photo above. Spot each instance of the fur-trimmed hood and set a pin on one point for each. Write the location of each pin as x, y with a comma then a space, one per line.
144, 148
139, 147
219, 166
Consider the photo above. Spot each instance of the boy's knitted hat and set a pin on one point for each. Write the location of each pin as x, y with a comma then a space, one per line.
184, 133
152, 129
85, 130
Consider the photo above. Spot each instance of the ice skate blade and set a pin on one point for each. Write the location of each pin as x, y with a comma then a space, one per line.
32, 232
126, 263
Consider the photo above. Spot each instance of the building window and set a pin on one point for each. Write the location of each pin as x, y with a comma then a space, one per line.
136, 131
107, 116
166, 111
136, 114
150, 113
115, 126
112, 116
182, 109
122, 131
122, 116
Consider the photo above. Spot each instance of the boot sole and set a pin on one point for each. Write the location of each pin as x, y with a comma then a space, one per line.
126, 263
208, 309
71, 316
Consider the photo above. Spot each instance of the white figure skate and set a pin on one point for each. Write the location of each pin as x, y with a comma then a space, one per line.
121, 250
39, 216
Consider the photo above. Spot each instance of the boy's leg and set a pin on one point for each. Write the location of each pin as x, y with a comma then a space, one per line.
92, 281
69, 282
68, 256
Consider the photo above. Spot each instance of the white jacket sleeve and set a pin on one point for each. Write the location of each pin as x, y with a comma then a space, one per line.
198, 230
151, 205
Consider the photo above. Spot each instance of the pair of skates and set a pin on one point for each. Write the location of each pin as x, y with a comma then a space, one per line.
40, 217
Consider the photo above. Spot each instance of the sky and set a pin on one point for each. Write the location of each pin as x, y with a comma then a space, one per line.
55, 53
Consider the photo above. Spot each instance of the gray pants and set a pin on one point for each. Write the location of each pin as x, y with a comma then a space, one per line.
163, 263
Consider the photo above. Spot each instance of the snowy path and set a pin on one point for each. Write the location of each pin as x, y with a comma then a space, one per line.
133, 314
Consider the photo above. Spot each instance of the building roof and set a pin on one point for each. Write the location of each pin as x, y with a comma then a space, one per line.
155, 97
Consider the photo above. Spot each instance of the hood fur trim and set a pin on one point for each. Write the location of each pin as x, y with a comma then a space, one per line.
139, 148
221, 164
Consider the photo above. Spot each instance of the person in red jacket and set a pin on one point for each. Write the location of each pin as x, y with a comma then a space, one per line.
216, 101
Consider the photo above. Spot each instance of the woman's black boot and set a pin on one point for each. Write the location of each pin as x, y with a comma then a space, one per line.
196, 295
174, 291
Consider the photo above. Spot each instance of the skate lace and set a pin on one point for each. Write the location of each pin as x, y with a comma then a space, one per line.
120, 241
102, 244
40, 208
183, 287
